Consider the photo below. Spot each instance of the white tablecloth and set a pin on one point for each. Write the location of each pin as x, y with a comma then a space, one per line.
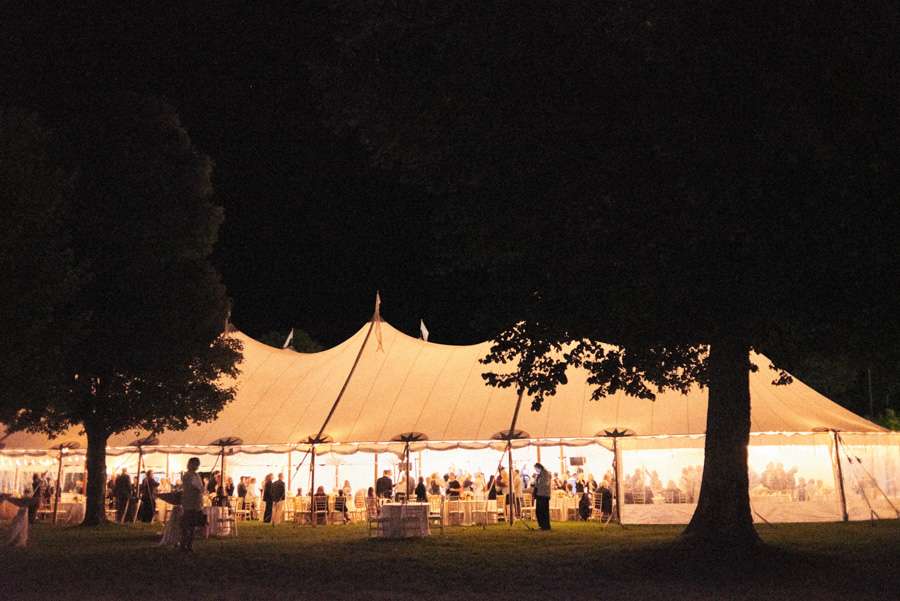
217, 524
172, 534
397, 520
560, 506
469, 513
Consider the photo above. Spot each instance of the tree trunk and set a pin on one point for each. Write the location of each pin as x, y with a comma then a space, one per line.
723, 514
95, 487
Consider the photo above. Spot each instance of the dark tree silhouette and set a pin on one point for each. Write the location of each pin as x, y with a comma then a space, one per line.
688, 181
149, 353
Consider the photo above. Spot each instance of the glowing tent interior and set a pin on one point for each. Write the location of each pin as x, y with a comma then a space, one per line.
403, 384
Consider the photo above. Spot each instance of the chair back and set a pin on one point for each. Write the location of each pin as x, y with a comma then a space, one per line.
320, 503
371, 508
340, 503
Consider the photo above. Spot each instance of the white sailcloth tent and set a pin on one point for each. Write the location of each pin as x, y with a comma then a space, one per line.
381, 383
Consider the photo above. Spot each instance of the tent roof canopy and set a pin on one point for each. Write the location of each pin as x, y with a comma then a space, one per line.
407, 385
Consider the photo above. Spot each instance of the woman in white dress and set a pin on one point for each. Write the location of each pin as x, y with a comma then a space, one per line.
478, 486
19, 534
251, 501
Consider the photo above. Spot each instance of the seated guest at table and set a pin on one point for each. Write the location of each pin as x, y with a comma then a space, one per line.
584, 506
229, 486
421, 491
220, 499
467, 482
606, 500
370, 494
318, 498
348, 490
673, 491
347, 502
384, 486
491, 489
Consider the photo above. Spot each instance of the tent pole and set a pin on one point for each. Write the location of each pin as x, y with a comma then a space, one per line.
840, 474
312, 486
512, 488
137, 485
289, 471
222, 483
617, 458
512, 432
421, 475
376, 471
406, 480
375, 318
562, 460
58, 486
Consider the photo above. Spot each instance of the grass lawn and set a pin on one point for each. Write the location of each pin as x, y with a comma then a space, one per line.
807, 562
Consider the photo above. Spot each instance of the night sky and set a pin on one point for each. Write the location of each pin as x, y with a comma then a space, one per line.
311, 231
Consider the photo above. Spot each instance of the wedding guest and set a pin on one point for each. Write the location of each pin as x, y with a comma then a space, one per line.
542, 489
421, 491
191, 503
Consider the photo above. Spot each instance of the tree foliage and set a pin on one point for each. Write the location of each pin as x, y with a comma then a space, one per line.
37, 268
150, 353
686, 181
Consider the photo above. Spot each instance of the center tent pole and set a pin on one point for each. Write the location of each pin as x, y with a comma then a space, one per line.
512, 432
617, 459
312, 487
840, 475
58, 486
318, 438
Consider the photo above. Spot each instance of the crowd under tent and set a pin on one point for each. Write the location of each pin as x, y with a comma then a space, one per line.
809, 458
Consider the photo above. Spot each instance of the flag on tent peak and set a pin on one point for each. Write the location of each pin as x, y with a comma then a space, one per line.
377, 319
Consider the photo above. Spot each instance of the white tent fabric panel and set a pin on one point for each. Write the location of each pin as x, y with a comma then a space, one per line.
406, 384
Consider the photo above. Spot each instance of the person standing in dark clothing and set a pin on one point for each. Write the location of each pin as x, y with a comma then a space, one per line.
123, 494
148, 498
542, 490
384, 486
267, 498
